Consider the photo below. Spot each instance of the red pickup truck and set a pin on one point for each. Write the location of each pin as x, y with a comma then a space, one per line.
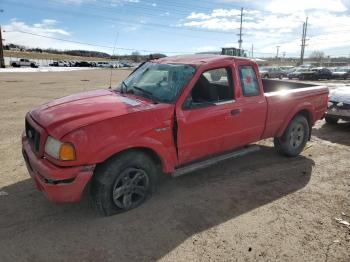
171, 115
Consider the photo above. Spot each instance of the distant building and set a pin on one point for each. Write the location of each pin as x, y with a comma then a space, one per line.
232, 51
14, 49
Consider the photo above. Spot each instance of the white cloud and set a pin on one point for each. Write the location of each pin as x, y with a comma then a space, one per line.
207, 48
80, 2
214, 24
47, 28
328, 26
74, 2
288, 7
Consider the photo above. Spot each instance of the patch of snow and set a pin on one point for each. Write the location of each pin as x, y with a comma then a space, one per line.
42, 69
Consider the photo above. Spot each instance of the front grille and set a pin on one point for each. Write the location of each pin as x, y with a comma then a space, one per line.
33, 136
340, 105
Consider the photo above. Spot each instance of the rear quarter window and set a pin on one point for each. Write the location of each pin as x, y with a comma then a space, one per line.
249, 81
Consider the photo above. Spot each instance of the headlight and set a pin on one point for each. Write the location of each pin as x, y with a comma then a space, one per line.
58, 150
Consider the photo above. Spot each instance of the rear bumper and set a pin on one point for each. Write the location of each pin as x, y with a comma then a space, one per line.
59, 184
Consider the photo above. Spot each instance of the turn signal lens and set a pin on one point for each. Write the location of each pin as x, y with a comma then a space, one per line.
67, 152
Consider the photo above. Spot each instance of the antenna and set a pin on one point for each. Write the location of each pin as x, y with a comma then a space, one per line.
115, 44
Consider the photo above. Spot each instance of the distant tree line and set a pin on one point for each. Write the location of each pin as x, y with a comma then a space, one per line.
134, 56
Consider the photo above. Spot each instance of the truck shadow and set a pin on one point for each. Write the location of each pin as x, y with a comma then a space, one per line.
338, 133
181, 208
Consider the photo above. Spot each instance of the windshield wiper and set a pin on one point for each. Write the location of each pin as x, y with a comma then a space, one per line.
122, 89
147, 93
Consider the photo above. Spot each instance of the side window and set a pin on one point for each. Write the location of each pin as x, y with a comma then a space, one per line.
249, 81
213, 86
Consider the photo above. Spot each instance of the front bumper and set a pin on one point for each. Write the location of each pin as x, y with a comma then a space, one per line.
339, 112
59, 184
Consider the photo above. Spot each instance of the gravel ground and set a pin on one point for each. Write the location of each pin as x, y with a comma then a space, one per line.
259, 207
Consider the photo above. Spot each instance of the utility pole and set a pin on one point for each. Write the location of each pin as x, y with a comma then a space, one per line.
2, 61
278, 49
252, 51
240, 34
303, 42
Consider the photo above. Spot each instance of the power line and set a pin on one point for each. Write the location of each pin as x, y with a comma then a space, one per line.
97, 45
113, 19
111, 47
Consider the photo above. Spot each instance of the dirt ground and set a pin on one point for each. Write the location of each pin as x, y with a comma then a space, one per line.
261, 207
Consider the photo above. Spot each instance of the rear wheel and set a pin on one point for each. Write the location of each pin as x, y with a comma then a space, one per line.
294, 138
266, 76
123, 182
331, 120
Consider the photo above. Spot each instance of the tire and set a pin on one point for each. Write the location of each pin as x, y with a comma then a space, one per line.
266, 76
123, 182
294, 138
280, 76
301, 77
331, 120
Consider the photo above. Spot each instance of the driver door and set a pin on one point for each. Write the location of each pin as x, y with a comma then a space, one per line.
210, 118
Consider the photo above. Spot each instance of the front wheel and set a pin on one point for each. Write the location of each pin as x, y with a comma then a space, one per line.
123, 182
294, 138
331, 120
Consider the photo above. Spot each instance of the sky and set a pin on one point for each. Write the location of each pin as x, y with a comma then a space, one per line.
178, 27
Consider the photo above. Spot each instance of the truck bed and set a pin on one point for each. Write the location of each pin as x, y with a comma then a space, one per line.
284, 98
278, 85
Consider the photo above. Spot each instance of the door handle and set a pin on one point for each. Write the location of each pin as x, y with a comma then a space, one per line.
235, 111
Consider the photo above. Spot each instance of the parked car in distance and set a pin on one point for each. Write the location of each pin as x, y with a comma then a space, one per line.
271, 72
338, 105
126, 65
297, 72
103, 64
59, 64
116, 65
54, 63
83, 64
341, 73
316, 74
24, 62
287, 69
170, 116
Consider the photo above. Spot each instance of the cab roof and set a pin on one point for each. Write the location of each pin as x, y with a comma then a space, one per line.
196, 59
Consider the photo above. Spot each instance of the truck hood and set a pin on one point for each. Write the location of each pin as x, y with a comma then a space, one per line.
66, 114
340, 95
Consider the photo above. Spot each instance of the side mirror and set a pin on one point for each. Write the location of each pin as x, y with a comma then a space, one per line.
188, 102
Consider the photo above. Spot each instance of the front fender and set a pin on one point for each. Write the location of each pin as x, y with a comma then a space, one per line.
113, 146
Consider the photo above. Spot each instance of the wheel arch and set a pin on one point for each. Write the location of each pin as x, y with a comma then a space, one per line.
303, 111
156, 158
307, 114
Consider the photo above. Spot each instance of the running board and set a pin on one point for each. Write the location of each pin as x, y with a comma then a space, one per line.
208, 162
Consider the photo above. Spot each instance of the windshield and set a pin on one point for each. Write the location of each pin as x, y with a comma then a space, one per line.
301, 70
159, 82
342, 69
264, 68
